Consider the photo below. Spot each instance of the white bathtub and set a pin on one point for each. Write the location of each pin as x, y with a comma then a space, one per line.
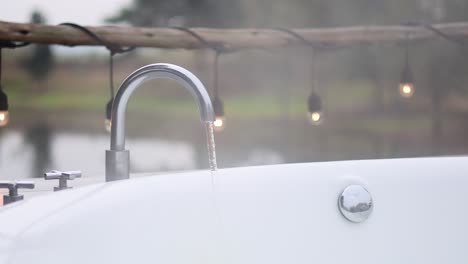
271, 214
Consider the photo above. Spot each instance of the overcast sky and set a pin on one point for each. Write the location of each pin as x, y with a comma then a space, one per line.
84, 12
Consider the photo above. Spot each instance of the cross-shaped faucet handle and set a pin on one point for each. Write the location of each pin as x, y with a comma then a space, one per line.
13, 187
63, 177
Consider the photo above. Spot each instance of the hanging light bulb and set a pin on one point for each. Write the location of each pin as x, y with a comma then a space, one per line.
4, 115
314, 105
218, 108
113, 49
108, 121
314, 102
406, 87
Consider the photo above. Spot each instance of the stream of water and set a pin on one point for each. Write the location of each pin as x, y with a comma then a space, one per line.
211, 146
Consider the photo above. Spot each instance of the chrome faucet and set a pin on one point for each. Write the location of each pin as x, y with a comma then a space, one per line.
118, 158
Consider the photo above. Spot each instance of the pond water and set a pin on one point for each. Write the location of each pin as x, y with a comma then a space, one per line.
21, 156
28, 147
24, 155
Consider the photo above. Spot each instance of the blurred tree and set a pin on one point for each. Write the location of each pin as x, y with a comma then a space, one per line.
41, 60
193, 13
39, 137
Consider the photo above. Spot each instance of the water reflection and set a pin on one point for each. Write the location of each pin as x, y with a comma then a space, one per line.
38, 137
40, 150
168, 145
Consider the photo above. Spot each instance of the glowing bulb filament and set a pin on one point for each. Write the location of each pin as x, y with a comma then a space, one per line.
315, 117
219, 123
4, 118
108, 123
406, 90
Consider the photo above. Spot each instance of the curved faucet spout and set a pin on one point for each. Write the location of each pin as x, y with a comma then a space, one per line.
117, 158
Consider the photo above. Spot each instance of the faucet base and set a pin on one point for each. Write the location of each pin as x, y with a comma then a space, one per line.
117, 165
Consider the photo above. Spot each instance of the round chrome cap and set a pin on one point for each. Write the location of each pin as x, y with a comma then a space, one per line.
355, 203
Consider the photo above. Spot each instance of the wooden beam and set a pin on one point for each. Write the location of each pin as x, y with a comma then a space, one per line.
234, 39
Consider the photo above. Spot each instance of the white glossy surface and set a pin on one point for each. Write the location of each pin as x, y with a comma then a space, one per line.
272, 214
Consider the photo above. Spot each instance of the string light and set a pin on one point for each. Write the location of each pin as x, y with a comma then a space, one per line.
220, 121
314, 105
4, 114
218, 106
406, 86
314, 102
113, 49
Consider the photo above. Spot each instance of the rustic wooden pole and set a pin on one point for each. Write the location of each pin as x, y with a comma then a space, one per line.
228, 38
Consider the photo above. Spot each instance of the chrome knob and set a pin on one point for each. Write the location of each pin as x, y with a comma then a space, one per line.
355, 203
63, 177
13, 187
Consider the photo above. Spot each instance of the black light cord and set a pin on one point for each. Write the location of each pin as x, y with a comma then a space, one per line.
445, 36
301, 38
113, 49
1, 60
436, 31
314, 46
1, 87
295, 35
314, 71
407, 51
111, 75
3, 96
216, 47
9, 45
215, 74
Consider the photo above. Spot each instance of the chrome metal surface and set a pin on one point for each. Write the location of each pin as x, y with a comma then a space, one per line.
63, 177
55, 175
117, 158
117, 165
13, 187
355, 203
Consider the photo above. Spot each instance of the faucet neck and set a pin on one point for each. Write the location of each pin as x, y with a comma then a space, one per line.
134, 81
151, 72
